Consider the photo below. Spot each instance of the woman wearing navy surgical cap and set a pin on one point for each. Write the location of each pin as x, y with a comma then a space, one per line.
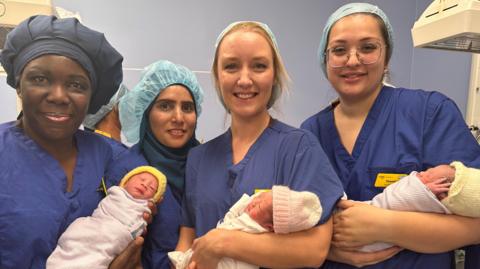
160, 115
375, 133
256, 153
50, 170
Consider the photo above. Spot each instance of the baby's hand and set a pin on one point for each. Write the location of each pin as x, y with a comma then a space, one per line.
148, 216
437, 172
439, 187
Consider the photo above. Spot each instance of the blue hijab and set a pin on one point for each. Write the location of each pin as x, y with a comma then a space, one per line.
171, 161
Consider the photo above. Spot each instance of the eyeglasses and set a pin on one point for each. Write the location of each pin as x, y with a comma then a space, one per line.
367, 53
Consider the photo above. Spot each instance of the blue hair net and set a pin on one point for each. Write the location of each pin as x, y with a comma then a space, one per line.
344, 11
155, 79
92, 119
233, 24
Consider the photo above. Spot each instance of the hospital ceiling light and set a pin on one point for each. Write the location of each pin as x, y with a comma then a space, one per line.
449, 25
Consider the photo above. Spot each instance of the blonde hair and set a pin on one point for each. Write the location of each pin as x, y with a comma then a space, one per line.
281, 79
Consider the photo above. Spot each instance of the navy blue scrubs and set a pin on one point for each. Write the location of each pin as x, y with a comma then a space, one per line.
405, 130
282, 155
34, 207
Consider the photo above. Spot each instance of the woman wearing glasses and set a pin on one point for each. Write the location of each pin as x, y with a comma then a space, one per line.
375, 134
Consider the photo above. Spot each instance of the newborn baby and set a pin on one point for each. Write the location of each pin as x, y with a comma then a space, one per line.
280, 210
93, 242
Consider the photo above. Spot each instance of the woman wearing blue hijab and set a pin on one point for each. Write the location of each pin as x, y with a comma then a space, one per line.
375, 134
160, 115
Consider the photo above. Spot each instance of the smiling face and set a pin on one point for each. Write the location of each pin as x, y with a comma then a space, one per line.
356, 80
142, 186
55, 93
245, 69
173, 117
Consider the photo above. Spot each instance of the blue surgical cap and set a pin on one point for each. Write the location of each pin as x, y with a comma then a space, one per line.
155, 79
41, 35
233, 24
344, 11
91, 120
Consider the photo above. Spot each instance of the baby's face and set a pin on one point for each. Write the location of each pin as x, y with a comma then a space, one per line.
260, 210
142, 186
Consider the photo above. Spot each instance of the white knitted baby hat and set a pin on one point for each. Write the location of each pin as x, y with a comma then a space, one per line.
294, 211
464, 193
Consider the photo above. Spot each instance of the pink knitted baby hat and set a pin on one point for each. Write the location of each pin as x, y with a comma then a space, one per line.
294, 211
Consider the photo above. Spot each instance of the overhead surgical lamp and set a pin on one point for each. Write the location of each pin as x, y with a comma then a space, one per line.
455, 25
450, 25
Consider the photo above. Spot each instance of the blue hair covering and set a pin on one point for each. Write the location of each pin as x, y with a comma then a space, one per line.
156, 78
344, 11
92, 119
233, 24
41, 35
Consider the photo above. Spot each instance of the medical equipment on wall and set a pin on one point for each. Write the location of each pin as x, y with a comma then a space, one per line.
473, 106
449, 24
14, 12
455, 25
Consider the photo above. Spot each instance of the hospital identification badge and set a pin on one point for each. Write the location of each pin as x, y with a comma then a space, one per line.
385, 179
261, 190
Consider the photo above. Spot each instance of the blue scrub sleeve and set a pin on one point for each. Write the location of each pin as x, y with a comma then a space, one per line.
446, 134
310, 170
472, 257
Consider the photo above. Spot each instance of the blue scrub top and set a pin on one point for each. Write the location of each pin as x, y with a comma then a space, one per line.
405, 130
34, 207
163, 232
282, 155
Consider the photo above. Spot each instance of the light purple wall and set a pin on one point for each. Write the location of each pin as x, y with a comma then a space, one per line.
184, 31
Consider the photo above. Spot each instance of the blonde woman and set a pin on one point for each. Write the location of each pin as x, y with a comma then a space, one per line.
256, 153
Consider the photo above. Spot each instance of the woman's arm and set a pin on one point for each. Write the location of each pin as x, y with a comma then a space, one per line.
361, 224
360, 259
305, 248
185, 240
130, 258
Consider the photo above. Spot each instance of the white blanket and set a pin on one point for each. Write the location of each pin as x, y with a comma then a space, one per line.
235, 219
93, 242
407, 194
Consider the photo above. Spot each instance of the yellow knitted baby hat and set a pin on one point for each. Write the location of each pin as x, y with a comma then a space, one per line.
464, 194
161, 178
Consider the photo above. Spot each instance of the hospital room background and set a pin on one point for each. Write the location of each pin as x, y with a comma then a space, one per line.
184, 31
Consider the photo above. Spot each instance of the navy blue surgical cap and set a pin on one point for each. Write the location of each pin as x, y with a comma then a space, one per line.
41, 35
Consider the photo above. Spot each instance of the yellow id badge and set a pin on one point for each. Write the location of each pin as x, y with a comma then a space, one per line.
103, 133
261, 190
385, 179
